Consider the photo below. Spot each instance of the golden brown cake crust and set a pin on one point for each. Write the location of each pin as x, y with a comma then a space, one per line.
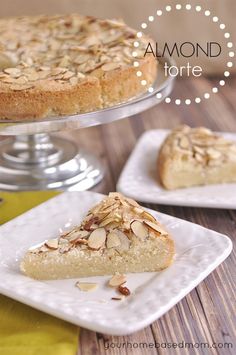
195, 156
62, 65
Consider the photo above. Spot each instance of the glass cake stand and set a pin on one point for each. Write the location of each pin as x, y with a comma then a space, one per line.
32, 159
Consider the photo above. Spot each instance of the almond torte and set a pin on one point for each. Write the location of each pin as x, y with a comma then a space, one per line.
116, 236
62, 65
196, 156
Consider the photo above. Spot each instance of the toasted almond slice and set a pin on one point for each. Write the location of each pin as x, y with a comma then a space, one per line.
139, 230
155, 227
110, 66
77, 234
148, 216
97, 238
199, 158
213, 153
138, 210
117, 280
124, 241
80, 241
132, 202
68, 75
199, 150
106, 221
12, 71
117, 298
86, 286
52, 244
184, 142
113, 240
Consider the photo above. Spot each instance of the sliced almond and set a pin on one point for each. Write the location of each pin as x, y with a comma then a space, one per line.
199, 150
97, 238
106, 221
77, 234
184, 142
124, 241
91, 221
68, 75
86, 286
213, 153
110, 66
58, 70
155, 227
117, 280
113, 240
12, 71
132, 202
52, 244
199, 158
139, 230
138, 210
148, 216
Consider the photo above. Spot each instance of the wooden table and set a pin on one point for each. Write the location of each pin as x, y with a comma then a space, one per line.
207, 314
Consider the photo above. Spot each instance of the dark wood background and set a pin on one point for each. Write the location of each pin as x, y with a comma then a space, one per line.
207, 314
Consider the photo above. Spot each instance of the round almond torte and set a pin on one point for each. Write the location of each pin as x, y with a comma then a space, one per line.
62, 65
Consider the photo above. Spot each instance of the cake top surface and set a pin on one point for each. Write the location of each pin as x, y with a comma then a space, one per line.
201, 145
114, 225
56, 50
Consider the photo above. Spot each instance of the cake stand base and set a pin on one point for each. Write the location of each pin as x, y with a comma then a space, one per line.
42, 162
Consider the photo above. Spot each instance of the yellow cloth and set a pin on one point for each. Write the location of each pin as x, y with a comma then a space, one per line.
24, 330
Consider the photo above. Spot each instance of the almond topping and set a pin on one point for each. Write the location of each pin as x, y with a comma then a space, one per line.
184, 142
117, 280
52, 244
155, 227
110, 66
86, 286
139, 230
12, 71
148, 216
213, 153
113, 240
97, 238
124, 241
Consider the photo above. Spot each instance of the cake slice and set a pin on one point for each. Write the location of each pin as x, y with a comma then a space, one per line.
196, 156
116, 236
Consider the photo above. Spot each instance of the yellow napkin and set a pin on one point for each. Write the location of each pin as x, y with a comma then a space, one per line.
24, 330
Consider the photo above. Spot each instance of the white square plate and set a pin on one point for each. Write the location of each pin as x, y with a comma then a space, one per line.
198, 252
139, 179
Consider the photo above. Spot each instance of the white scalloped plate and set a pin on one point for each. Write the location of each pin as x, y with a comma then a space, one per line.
198, 252
139, 179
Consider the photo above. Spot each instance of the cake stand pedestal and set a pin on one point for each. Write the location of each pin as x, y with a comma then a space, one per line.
34, 160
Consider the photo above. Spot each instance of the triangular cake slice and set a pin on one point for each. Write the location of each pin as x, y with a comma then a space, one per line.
196, 156
116, 236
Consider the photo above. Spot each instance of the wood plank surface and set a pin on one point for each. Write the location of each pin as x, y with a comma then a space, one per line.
207, 314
